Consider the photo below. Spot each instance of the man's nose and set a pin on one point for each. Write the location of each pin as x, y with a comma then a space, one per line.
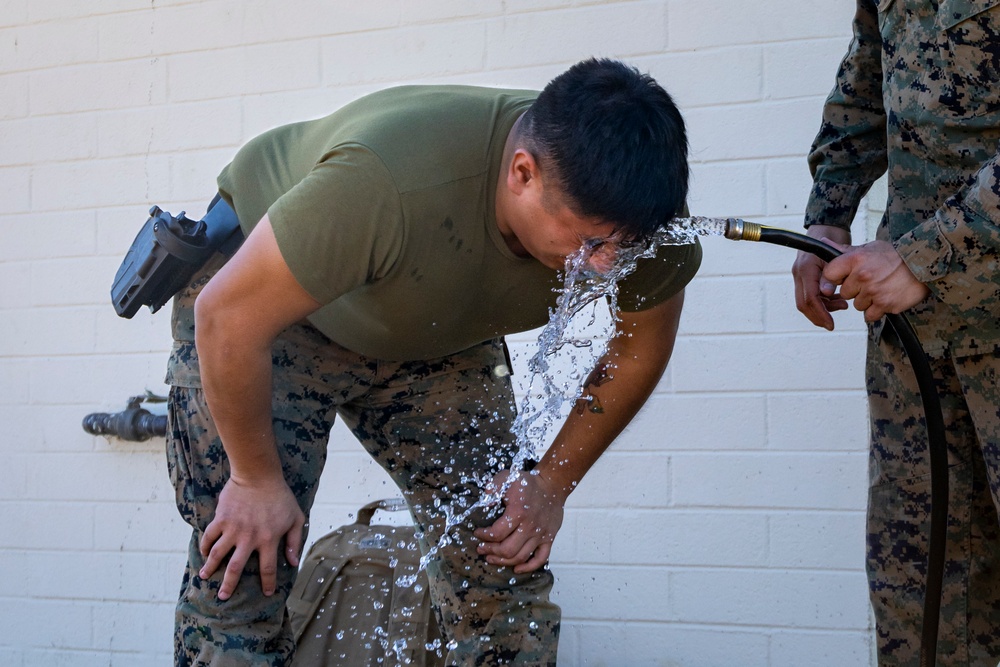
602, 258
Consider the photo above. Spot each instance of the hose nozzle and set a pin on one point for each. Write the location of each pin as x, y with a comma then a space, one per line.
741, 230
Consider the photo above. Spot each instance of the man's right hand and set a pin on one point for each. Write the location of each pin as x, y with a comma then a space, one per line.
815, 297
252, 517
238, 316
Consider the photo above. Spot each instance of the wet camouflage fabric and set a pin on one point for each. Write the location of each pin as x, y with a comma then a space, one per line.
918, 96
430, 424
898, 508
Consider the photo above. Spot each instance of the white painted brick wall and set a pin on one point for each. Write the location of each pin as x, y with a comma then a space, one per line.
790, 70
724, 527
404, 54
645, 643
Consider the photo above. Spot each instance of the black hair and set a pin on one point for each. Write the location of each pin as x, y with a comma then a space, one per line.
614, 142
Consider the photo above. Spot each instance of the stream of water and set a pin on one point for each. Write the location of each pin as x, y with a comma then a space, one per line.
547, 396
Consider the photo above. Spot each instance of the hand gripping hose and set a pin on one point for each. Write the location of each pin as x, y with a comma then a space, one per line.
937, 449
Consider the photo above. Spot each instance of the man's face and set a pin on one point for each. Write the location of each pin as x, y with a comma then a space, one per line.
550, 231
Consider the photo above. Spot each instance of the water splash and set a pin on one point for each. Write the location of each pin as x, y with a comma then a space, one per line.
546, 398
687, 230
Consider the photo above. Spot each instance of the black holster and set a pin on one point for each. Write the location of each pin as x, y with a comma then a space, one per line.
166, 254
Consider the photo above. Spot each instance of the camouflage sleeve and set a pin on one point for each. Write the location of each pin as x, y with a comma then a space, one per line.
849, 153
956, 253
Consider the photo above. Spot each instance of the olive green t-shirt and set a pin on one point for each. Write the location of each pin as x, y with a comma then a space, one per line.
384, 213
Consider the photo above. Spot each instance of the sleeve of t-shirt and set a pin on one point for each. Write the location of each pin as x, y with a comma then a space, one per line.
660, 277
341, 226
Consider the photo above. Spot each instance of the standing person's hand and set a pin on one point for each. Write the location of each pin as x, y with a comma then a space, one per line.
522, 537
252, 517
815, 296
878, 280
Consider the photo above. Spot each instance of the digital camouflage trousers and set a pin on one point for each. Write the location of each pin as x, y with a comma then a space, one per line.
899, 507
432, 425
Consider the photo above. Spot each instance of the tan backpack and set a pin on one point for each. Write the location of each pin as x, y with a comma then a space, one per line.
348, 606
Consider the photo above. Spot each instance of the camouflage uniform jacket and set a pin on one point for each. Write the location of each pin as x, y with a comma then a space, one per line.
918, 94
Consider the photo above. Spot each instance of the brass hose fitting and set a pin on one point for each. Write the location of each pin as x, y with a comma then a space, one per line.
741, 230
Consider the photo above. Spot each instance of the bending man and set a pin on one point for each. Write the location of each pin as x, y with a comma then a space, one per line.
389, 248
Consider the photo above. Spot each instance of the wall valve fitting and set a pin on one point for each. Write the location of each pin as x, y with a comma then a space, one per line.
135, 423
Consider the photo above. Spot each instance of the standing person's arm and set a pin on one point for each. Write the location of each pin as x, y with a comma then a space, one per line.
615, 391
238, 315
847, 156
952, 255
956, 252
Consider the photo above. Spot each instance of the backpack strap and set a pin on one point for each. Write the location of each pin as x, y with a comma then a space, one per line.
309, 609
411, 612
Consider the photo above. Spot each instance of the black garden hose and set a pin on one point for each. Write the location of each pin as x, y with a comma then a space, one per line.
937, 448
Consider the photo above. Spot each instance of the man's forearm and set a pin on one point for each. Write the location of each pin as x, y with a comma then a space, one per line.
599, 417
614, 392
236, 376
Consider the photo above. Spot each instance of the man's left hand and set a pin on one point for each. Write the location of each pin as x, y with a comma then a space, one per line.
875, 276
522, 537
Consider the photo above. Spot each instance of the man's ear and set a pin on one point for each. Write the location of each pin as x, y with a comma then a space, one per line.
523, 172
